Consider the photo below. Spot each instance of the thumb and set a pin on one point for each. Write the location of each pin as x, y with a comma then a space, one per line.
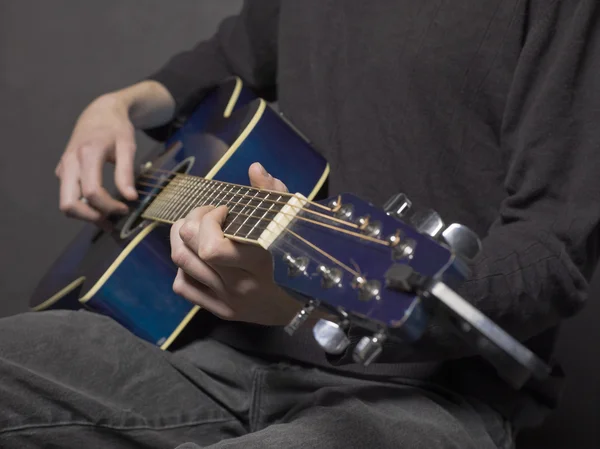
261, 179
125, 152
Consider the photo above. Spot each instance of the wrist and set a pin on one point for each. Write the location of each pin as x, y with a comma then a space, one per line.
148, 104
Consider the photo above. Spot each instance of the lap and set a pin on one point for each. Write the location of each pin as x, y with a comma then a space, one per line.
75, 378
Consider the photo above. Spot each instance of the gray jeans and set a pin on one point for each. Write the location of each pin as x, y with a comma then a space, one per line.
75, 379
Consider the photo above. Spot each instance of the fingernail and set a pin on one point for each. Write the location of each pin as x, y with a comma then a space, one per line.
264, 171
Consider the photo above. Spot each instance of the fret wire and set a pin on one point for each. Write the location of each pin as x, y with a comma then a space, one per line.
249, 216
236, 185
213, 190
205, 186
167, 194
188, 198
238, 203
172, 188
193, 198
231, 217
217, 200
155, 171
227, 200
182, 192
156, 205
270, 215
180, 179
185, 194
259, 220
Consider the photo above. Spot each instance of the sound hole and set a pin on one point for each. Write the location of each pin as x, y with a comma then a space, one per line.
135, 222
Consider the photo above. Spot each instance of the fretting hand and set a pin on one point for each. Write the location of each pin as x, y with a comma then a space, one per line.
232, 280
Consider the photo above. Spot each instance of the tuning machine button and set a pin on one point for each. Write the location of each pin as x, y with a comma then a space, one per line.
369, 348
330, 276
331, 336
428, 222
296, 265
397, 206
301, 317
462, 240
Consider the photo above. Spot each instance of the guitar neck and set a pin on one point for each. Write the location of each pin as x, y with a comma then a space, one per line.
255, 215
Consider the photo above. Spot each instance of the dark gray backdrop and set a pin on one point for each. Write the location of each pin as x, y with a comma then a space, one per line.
55, 56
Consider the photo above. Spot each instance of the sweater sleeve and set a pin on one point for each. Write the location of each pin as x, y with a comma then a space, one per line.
541, 251
244, 45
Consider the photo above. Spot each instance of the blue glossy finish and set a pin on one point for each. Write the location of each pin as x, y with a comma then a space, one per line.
64, 271
284, 154
373, 259
138, 294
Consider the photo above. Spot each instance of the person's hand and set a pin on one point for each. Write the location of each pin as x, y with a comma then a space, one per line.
103, 133
232, 280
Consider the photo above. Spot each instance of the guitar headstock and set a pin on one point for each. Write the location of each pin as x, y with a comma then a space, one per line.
342, 254
387, 270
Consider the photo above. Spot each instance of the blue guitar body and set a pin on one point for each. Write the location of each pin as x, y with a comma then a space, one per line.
129, 275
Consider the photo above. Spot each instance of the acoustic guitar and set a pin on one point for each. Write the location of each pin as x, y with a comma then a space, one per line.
387, 269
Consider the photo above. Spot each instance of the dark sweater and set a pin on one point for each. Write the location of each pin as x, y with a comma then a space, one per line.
484, 110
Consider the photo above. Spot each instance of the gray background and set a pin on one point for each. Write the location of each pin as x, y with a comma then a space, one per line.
56, 56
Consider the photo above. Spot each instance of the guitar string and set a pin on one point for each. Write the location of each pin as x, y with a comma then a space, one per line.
311, 245
171, 172
181, 181
277, 243
318, 223
369, 238
353, 234
261, 229
176, 183
301, 239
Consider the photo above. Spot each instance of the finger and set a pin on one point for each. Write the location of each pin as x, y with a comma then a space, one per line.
70, 193
125, 153
191, 264
205, 237
91, 161
261, 179
199, 294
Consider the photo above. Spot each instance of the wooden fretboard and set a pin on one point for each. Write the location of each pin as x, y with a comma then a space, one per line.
250, 210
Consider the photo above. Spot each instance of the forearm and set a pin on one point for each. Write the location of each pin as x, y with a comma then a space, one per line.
148, 103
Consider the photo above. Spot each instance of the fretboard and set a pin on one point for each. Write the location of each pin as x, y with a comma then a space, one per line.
250, 210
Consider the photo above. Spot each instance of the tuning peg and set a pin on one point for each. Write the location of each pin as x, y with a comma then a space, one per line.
397, 206
330, 276
428, 222
345, 212
462, 240
296, 265
369, 348
301, 317
331, 336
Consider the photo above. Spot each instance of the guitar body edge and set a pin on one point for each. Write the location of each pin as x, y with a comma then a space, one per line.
131, 280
